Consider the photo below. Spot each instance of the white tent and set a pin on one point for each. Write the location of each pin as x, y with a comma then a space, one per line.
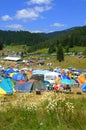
12, 58
51, 76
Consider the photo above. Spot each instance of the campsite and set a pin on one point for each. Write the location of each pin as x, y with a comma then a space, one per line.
28, 99
42, 65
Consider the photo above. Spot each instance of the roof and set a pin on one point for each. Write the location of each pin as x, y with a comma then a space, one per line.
12, 58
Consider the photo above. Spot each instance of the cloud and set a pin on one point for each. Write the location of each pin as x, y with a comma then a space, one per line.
36, 31
6, 18
39, 2
15, 26
42, 9
57, 25
27, 14
31, 13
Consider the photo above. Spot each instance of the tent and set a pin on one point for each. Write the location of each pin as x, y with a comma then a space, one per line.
40, 71
83, 87
10, 58
47, 84
51, 76
75, 82
9, 71
23, 87
6, 86
65, 77
66, 81
18, 76
82, 78
29, 86
39, 85
37, 77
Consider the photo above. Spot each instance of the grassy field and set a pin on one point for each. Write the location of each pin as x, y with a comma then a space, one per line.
74, 61
69, 61
49, 111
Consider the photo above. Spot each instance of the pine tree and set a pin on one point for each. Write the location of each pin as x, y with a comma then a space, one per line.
1, 46
60, 53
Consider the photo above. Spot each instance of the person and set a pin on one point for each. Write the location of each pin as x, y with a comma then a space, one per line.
67, 87
58, 79
50, 68
56, 87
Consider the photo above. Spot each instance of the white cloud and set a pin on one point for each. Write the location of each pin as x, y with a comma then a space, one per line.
15, 26
42, 9
31, 13
39, 2
57, 25
6, 18
36, 31
26, 14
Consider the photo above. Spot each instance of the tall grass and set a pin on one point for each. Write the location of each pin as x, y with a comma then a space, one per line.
53, 112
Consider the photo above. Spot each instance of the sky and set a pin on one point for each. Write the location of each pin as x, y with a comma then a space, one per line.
42, 15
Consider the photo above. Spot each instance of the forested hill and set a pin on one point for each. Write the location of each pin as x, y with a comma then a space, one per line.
57, 33
71, 37
68, 38
21, 37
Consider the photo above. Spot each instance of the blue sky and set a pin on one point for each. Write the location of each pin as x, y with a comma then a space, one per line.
42, 15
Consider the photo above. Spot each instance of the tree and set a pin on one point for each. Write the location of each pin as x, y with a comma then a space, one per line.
60, 53
1, 46
67, 49
57, 43
52, 49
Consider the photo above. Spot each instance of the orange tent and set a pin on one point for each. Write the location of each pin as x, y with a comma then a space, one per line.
81, 79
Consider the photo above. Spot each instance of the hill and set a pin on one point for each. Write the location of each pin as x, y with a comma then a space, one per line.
75, 36
58, 33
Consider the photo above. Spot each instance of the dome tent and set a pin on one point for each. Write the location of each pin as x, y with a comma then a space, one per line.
83, 87
6, 86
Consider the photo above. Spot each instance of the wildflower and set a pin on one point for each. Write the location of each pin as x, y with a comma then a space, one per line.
69, 106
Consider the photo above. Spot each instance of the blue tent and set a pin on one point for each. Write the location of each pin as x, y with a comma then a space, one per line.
40, 71
18, 76
6, 86
24, 87
47, 84
30, 86
8, 71
83, 87
66, 81
65, 77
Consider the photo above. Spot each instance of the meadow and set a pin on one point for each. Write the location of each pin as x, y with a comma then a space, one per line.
50, 111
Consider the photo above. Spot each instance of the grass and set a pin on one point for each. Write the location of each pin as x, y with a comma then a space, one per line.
77, 49
27, 111
17, 48
74, 61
